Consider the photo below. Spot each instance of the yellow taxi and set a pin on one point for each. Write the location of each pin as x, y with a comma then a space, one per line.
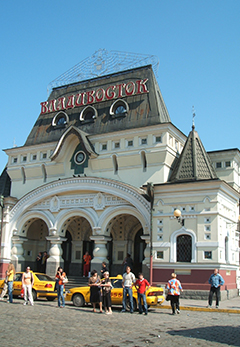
81, 295
43, 286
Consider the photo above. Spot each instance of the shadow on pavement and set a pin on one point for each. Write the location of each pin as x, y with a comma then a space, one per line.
222, 334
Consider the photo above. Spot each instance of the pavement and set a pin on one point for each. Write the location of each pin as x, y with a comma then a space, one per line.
44, 324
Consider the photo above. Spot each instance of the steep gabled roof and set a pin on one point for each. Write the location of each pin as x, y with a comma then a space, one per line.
194, 163
5, 183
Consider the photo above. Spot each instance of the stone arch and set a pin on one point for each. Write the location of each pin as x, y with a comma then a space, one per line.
173, 244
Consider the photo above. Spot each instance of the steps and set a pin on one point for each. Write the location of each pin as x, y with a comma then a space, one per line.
76, 281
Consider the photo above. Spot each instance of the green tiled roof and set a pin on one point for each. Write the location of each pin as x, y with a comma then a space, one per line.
194, 163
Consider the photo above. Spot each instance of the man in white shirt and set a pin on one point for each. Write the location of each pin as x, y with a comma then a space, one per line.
127, 283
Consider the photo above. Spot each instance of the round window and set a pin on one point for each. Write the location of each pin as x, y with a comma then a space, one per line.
80, 157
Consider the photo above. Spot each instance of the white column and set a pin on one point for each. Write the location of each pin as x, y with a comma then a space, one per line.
55, 260
17, 252
146, 238
100, 252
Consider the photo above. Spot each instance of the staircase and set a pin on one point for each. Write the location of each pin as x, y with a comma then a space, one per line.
76, 281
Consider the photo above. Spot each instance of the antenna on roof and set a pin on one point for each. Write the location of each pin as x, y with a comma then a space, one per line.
193, 116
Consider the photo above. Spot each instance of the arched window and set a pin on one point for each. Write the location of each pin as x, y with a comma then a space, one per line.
226, 250
184, 248
44, 172
23, 175
144, 161
60, 119
119, 109
88, 114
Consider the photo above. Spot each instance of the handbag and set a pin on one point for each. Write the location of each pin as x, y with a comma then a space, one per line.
22, 293
65, 280
168, 297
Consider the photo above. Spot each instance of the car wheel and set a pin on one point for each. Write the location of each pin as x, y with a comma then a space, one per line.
134, 304
34, 295
50, 298
78, 300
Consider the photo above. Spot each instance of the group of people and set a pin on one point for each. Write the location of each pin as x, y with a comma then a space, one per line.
41, 261
27, 284
100, 288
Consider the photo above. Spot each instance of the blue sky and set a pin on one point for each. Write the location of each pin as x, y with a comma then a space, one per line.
197, 43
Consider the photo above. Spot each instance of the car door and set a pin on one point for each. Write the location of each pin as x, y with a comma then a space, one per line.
17, 284
117, 292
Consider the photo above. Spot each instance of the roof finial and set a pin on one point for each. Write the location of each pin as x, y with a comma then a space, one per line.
193, 115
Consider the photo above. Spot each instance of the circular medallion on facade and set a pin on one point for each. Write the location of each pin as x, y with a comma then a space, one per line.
80, 157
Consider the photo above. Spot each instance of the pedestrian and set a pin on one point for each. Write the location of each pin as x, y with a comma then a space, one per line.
127, 262
39, 261
106, 289
142, 284
104, 268
216, 282
174, 287
10, 273
5, 287
86, 264
127, 284
95, 290
44, 262
60, 278
27, 284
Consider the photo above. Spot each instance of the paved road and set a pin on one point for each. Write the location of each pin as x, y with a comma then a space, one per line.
46, 325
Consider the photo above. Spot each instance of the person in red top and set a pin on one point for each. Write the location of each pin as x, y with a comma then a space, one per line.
60, 276
86, 267
142, 284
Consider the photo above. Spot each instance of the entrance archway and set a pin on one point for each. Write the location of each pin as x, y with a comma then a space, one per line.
184, 248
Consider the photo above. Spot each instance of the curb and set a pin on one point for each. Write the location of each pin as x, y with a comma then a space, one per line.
201, 309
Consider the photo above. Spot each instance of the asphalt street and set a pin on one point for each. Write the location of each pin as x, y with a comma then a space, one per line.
44, 324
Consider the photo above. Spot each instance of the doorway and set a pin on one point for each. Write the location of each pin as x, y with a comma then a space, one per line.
67, 252
139, 247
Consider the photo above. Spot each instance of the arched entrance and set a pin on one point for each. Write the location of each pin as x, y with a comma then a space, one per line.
36, 231
184, 248
77, 231
125, 231
139, 247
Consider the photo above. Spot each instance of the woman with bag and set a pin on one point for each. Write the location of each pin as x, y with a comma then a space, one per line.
60, 278
106, 288
174, 287
95, 290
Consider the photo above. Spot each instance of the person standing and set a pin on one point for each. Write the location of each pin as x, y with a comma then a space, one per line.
60, 276
142, 284
10, 273
27, 284
216, 282
104, 269
39, 261
86, 264
44, 262
95, 290
127, 262
127, 283
106, 288
174, 287
5, 287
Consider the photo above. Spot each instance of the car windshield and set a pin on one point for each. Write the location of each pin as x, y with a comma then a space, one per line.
43, 277
18, 277
116, 283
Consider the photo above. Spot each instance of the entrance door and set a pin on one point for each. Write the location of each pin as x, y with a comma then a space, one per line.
139, 247
67, 252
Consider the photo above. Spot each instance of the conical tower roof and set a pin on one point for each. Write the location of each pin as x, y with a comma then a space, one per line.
194, 163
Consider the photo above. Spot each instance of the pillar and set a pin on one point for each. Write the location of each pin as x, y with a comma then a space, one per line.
146, 261
100, 252
17, 251
55, 252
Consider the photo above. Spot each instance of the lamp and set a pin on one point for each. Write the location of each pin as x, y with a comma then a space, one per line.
178, 214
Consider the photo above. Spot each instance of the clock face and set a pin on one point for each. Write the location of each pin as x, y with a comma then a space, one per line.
80, 157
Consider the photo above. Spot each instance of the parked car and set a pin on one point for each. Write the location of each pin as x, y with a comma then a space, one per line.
43, 286
81, 295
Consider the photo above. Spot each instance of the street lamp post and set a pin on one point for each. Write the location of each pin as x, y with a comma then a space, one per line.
150, 192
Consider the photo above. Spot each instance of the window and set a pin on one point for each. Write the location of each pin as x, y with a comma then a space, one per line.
24, 158
88, 114
115, 164
218, 165
80, 157
207, 227
160, 254
160, 221
158, 139
227, 164
159, 237
44, 155
144, 161
207, 254
207, 236
207, 220
160, 230
130, 143
119, 109
192, 208
144, 141
34, 157
116, 145
103, 146
184, 248
60, 119
176, 145
15, 160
